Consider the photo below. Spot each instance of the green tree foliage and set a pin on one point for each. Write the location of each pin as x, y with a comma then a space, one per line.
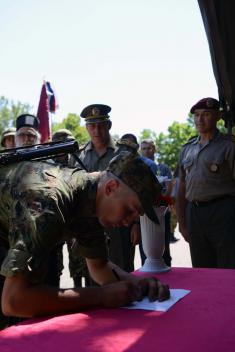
145, 134
72, 122
9, 110
169, 145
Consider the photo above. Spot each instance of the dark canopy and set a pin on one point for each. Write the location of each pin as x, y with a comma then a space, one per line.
219, 22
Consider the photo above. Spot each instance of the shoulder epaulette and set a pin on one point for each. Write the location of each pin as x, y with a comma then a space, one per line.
127, 143
191, 140
228, 137
83, 146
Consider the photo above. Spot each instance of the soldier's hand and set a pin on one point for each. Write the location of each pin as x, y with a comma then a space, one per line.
119, 294
154, 289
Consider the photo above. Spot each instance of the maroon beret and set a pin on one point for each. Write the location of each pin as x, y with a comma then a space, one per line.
206, 103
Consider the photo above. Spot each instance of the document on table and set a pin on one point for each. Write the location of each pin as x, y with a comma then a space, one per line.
176, 295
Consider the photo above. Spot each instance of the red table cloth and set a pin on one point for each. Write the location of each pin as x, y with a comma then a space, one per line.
204, 320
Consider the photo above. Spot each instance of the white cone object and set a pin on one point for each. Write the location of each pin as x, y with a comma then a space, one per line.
153, 242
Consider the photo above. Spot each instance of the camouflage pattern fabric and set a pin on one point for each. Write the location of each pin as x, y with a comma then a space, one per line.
41, 205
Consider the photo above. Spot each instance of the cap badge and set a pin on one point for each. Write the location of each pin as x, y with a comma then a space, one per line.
29, 120
95, 112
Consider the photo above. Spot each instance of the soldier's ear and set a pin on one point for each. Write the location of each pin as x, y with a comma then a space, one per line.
111, 185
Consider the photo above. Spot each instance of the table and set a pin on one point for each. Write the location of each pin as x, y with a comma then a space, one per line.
203, 321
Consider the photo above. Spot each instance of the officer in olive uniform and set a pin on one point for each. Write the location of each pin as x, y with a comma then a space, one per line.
206, 196
96, 155
8, 138
42, 204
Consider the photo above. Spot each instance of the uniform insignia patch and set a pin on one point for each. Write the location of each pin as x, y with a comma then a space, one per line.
214, 167
95, 111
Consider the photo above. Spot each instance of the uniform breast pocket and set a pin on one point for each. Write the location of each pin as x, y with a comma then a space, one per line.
214, 165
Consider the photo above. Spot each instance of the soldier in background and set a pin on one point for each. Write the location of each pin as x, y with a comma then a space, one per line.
205, 201
27, 130
96, 155
8, 138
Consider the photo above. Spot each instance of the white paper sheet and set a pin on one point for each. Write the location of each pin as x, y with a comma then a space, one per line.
176, 295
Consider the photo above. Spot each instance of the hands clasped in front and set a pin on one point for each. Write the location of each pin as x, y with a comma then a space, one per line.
124, 292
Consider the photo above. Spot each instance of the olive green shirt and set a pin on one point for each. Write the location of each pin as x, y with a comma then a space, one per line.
41, 205
96, 162
209, 170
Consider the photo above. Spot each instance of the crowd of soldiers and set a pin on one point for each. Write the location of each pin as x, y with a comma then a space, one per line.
96, 213
101, 224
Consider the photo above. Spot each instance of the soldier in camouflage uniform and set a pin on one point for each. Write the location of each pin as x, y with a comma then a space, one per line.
42, 204
96, 155
77, 264
7, 142
206, 196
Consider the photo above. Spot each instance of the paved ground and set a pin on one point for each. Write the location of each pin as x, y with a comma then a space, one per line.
179, 252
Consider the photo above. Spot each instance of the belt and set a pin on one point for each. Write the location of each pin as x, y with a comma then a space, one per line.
201, 203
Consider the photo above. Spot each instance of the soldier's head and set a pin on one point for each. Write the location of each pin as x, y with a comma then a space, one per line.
147, 148
8, 138
27, 133
62, 135
126, 190
206, 113
128, 142
98, 123
130, 137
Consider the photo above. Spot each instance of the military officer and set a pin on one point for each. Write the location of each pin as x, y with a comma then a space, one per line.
8, 138
96, 155
206, 195
42, 203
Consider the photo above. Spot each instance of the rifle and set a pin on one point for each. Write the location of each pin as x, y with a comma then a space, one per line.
40, 152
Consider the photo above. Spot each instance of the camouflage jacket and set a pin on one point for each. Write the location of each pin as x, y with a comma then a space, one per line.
41, 205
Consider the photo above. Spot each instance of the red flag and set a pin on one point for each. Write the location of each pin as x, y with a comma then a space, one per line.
47, 104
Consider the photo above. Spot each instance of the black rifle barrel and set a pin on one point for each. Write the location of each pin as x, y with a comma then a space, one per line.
38, 152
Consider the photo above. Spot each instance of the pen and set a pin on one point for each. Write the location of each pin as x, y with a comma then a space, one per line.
116, 274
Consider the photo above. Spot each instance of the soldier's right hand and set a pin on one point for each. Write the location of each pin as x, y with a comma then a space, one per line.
119, 294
